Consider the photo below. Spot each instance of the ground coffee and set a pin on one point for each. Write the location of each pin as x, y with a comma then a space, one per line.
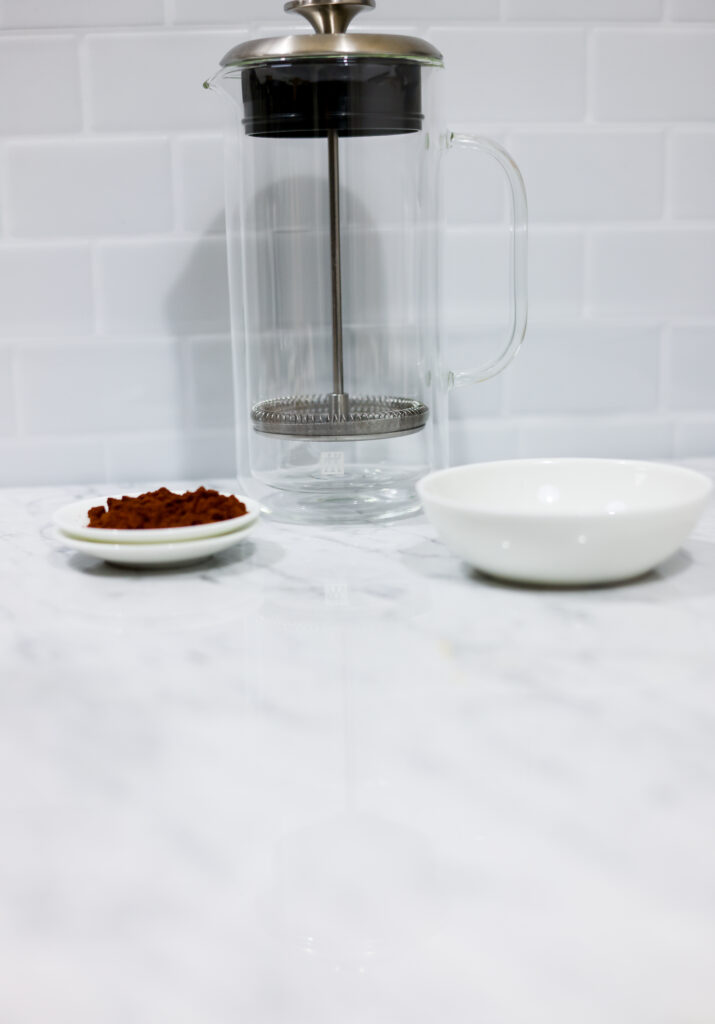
163, 507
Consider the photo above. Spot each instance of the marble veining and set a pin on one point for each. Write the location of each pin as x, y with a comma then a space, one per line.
333, 776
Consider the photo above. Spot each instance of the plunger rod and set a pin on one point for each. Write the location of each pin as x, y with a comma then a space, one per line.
335, 279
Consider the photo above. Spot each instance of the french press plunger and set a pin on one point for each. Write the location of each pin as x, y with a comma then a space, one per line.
334, 240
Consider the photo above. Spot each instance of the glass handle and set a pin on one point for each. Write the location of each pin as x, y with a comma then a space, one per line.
518, 290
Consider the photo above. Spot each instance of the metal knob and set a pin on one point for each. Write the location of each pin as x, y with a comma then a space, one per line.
330, 17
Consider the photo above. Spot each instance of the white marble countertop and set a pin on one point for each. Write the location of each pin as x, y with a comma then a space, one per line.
331, 776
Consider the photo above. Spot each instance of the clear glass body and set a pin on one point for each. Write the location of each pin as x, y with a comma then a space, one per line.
283, 306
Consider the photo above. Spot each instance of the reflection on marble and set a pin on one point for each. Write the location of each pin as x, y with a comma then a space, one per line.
334, 776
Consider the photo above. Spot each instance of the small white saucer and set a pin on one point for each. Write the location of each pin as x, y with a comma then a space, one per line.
72, 521
165, 555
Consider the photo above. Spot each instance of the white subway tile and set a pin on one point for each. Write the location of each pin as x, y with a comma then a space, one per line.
97, 387
173, 286
85, 187
154, 80
39, 80
210, 370
25, 462
653, 272
71, 13
481, 441
476, 277
478, 400
211, 455
584, 369
165, 457
556, 273
691, 368
498, 74
694, 436
477, 268
376, 22
380, 276
585, 176
466, 350
154, 458
200, 176
45, 290
626, 437
380, 183
654, 75
280, 28
463, 10
8, 423
228, 12
692, 10
693, 174
394, 16
582, 10
475, 189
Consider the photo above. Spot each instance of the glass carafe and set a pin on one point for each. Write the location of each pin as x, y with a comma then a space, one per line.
334, 229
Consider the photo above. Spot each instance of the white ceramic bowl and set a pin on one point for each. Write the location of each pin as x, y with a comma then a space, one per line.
564, 521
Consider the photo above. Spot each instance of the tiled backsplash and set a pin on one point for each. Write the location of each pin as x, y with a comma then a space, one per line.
114, 349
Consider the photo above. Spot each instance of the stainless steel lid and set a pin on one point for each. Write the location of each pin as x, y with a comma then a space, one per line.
330, 19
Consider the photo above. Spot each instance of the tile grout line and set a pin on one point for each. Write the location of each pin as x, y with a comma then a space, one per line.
565, 229
84, 85
587, 282
95, 287
17, 391
5, 205
665, 354
499, 25
554, 128
176, 187
155, 238
590, 71
667, 210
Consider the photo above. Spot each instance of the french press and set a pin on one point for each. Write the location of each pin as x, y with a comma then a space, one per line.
334, 238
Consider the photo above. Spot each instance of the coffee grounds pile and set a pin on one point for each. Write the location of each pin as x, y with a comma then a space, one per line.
156, 509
